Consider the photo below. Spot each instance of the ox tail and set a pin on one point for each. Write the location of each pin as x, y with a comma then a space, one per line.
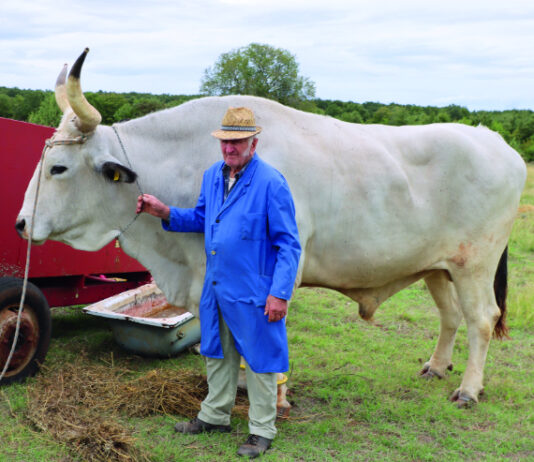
500, 286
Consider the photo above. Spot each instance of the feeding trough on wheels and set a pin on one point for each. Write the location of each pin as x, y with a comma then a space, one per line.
144, 322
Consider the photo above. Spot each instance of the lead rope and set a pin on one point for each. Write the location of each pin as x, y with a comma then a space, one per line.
48, 144
136, 181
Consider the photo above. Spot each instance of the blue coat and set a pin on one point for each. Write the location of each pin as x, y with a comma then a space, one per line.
252, 250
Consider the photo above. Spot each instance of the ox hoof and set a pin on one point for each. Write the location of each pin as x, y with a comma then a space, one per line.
428, 373
463, 400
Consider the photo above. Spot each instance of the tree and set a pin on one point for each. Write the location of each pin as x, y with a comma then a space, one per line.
124, 112
382, 115
525, 127
48, 112
146, 105
26, 102
6, 109
108, 104
457, 112
260, 70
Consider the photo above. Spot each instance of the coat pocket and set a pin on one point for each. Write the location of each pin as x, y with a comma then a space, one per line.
262, 290
254, 227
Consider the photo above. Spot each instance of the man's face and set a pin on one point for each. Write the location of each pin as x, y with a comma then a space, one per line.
237, 153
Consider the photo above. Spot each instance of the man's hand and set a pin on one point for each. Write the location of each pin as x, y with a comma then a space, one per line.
276, 308
153, 206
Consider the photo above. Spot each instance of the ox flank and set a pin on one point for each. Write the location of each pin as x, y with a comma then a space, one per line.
378, 207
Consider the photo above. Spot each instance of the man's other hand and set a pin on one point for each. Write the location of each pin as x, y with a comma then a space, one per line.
276, 308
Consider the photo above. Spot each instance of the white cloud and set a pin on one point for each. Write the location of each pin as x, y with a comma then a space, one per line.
476, 53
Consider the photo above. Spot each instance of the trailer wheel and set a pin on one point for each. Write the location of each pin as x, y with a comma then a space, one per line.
34, 332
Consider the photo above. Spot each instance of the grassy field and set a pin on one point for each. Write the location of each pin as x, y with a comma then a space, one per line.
354, 386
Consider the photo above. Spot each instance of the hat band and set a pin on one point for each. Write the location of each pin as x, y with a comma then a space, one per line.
233, 128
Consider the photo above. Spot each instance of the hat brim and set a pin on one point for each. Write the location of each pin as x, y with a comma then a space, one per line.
234, 135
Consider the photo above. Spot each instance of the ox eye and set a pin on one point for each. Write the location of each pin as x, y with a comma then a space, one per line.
57, 169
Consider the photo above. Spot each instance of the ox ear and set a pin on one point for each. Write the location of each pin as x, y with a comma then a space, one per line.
116, 172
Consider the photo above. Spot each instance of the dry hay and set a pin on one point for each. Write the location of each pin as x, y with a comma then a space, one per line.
81, 405
167, 392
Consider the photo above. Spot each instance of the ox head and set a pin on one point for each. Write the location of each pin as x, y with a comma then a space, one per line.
78, 180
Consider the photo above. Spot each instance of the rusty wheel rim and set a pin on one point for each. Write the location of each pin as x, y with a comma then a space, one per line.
28, 338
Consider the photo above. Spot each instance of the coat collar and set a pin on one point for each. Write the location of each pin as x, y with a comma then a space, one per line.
247, 173
240, 187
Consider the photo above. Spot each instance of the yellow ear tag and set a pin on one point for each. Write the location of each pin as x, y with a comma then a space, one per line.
117, 176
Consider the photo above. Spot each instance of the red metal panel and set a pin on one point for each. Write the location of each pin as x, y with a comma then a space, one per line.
81, 290
21, 145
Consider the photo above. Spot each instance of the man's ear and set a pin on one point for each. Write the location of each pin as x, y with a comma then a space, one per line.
253, 145
116, 172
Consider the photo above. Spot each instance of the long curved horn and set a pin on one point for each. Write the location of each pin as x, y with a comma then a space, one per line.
61, 90
88, 116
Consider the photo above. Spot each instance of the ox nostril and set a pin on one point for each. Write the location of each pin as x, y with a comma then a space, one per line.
20, 225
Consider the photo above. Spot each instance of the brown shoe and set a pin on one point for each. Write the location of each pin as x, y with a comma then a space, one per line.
196, 425
254, 446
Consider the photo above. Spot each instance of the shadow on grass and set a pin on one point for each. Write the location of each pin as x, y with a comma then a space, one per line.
71, 321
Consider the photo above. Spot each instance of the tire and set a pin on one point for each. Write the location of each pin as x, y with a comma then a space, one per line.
34, 333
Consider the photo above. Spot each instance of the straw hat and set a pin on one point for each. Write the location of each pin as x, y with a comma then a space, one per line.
237, 123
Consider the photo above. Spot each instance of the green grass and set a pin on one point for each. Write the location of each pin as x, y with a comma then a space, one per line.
354, 386
19, 441
521, 263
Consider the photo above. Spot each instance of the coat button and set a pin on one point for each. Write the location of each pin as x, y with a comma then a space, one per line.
214, 283
217, 221
213, 252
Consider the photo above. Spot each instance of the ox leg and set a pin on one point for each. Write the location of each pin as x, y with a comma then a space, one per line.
480, 310
444, 295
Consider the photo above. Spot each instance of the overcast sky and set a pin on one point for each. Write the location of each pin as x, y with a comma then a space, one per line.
478, 54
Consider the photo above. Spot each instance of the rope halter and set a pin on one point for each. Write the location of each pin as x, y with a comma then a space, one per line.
51, 142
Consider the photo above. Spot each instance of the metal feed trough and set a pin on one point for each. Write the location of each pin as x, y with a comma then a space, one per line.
143, 321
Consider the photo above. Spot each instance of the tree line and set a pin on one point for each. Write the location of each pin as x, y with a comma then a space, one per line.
39, 106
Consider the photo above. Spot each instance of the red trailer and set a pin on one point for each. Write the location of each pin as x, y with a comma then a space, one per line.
58, 274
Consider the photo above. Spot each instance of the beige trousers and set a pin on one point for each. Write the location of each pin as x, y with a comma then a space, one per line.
222, 388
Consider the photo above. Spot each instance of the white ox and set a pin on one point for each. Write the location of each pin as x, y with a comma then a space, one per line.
378, 207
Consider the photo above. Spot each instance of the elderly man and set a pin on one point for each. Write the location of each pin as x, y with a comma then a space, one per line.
246, 211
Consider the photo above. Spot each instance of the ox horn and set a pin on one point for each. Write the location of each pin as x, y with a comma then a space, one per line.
61, 90
88, 116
